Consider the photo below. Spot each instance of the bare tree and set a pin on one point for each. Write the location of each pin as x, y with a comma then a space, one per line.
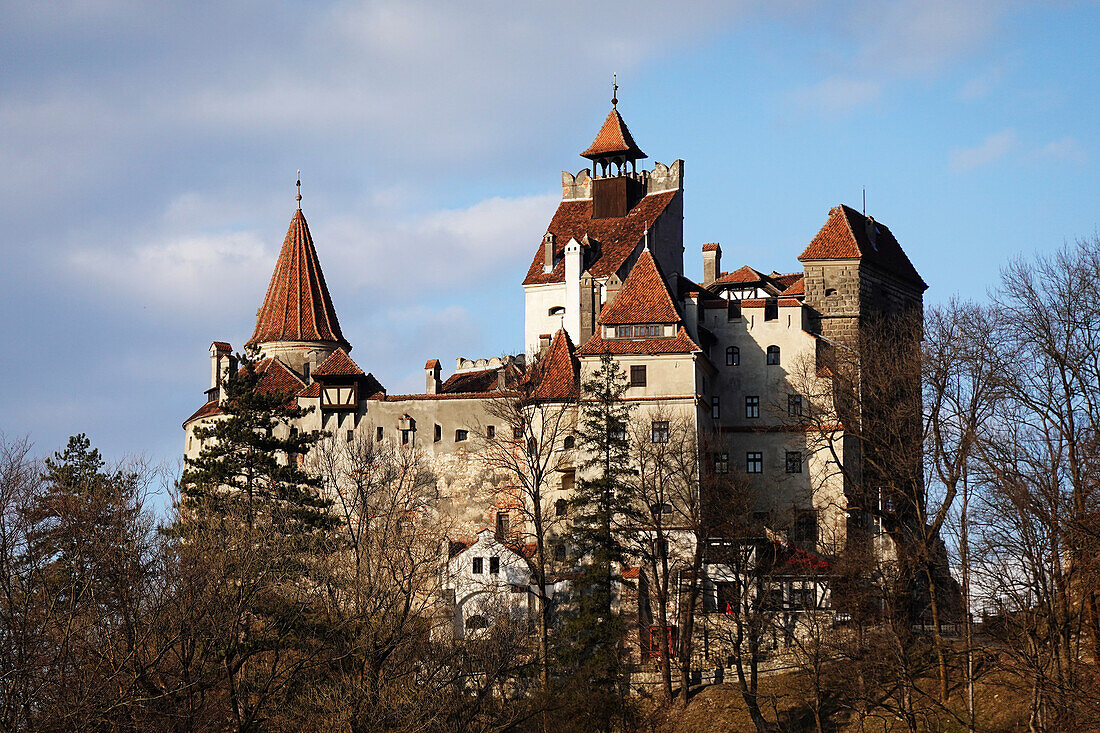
531, 447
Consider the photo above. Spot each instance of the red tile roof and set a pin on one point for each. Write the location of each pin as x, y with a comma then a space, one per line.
275, 377
643, 297
338, 364
785, 281
297, 306
432, 364
222, 346
632, 573
597, 345
313, 390
711, 247
482, 380
798, 287
557, 371
614, 239
744, 274
210, 408
613, 139
789, 302
845, 236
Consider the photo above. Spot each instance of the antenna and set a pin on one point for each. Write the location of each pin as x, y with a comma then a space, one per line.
615, 90
298, 198
865, 201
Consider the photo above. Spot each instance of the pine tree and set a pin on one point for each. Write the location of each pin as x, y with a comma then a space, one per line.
601, 501
256, 535
244, 465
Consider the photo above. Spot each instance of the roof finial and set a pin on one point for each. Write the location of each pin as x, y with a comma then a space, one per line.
298, 198
646, 248
614, 91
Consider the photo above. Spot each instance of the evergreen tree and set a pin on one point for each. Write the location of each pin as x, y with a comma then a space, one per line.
601, 501
245, 465
257, 536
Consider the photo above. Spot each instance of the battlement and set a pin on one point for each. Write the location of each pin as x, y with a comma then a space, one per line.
661, 178
496, 362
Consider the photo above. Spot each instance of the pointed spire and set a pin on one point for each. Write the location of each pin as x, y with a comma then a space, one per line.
297, 306
614, 139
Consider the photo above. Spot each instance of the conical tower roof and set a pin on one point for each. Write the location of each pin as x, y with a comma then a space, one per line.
297, 306
614, 139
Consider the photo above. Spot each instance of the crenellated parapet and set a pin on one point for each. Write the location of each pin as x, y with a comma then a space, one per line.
496, 362
577, 187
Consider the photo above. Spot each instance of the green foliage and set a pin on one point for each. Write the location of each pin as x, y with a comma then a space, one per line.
595, 632
81, 524
245, 464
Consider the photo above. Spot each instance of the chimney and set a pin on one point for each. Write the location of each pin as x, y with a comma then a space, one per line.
431, 377
712, 262
222, 365
611, 288
548, 252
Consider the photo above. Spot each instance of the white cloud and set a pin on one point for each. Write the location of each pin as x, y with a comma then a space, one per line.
885, 43
993, 148
1065, 149
195, 261
980, 86
837, 95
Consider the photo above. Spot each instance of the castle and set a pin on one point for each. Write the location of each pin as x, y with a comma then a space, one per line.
607, 277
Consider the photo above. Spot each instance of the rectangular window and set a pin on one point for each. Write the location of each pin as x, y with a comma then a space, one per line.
733, 310
794, 405
405, 435
479, 565
618, 432
660, 431
494, 566
491, 431
350, 436
752, 406
647, 331
771, 309
517, 432
715, 407
733, 356
502, 525
726, 595
721, 462
461, 435
378, 434
438, 433
637, 375
559, 552
624, 332
754, 462
794, 461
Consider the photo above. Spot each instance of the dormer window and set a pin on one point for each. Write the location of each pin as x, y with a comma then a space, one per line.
640, 331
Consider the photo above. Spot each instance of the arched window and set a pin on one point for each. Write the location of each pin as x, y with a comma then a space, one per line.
557, 310
561, 508
570, 441
773, 355
476, 622
733, 356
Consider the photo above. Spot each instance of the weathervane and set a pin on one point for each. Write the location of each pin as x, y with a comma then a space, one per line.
614, 90
298, 198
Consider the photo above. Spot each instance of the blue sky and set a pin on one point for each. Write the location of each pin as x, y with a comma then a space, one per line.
148, 158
